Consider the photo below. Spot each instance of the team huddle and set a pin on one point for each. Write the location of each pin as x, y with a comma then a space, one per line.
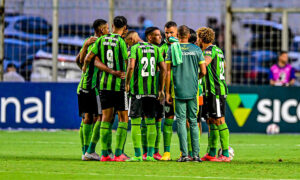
146, 82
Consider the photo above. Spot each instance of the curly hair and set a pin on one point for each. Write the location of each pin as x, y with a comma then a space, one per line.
206, 34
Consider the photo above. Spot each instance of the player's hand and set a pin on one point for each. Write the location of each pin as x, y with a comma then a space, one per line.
84, 68
119, 74
90, 41
161, 96
169, 98
127, 87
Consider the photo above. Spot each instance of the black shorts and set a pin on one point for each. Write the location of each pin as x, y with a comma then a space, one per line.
142, 106
114, 99
214, 106
159, 112
169, 110
89, 102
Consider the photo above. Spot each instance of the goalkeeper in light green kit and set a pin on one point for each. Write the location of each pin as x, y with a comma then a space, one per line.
185, 59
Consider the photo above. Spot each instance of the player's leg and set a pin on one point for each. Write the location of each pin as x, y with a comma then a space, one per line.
192, 109
159, 114
122, 109
223, 129
149, 107
81, 109
91, 154
144, 138
180, 112
156, 154
109, 137
168, 131
107, 98
135, 113
213, 129
189, 140
87, 128
81, 137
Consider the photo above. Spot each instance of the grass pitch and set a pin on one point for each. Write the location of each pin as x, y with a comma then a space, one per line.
56, 155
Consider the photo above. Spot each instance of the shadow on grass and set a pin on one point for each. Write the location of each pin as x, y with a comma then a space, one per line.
77, 159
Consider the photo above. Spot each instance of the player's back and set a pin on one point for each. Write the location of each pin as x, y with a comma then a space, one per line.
144, 79
215, 78
112, 53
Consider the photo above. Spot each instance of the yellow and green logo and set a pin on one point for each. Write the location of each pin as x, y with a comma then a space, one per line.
241, 106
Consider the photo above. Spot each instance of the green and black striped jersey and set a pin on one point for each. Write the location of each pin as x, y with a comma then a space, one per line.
144, 79
112, 51
215, 77
90, 78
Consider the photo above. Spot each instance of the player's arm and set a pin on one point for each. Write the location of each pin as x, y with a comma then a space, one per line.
130, 69
124, 51
202, 70
168, 78
104, 68
91, 54
202, 65
272, 82
87, 60
162, 80
85, 47
78, 61
293, 77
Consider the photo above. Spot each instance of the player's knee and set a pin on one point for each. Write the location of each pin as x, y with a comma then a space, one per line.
88, 119
123, 117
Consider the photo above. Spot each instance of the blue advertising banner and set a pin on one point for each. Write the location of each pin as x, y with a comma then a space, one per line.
54, 106
39, 105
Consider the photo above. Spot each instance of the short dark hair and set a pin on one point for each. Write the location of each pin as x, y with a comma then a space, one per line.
193, 37
149, 30
282, 52
97, 23
183, 31
170, 24
10, 65
120, 21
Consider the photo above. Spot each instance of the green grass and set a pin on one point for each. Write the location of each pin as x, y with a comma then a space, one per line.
56, 155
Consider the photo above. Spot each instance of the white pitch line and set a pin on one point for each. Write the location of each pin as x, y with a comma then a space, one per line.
136, 175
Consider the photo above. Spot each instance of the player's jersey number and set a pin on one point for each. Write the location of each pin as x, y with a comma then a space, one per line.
145, 63
109, 57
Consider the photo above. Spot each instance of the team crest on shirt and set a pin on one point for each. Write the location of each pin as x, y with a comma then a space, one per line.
208, 52
167, 109
184, 47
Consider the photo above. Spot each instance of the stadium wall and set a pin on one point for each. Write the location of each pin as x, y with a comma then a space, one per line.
54, 106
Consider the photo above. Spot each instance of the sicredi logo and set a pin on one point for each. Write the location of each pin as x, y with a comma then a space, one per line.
241, 106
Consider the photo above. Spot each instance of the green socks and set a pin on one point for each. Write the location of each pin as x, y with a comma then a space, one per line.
81, 137
136, 135
189, 140
151, 135
224, 137
109, 139
167, 133
95, 137
158, 131
120, 137
208, 139
144, 136
87, 132
104, 134
214, 135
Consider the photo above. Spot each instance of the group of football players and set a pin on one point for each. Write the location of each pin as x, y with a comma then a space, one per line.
126, 76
